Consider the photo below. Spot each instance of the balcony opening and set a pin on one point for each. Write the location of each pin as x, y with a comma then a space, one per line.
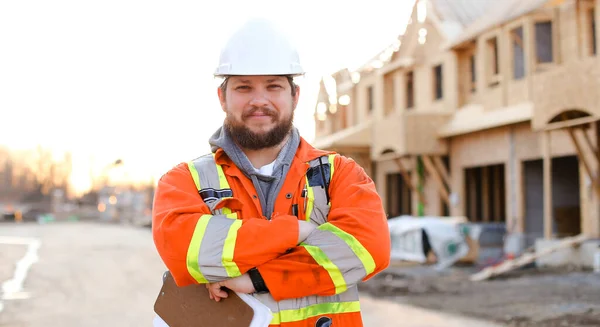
518, 53
485, 194
543, 42
467, 73
410, 90
473, 73
592, 26
492, 66
438, 82
370, 99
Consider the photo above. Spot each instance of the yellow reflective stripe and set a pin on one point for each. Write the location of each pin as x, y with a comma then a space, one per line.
227, 212
330, 159
222, 179
193, 252
194, 173
229, 249
310, 199
334, 272
285, 316
276, 319
359, 250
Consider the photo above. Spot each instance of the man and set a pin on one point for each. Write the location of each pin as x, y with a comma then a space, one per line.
266, 213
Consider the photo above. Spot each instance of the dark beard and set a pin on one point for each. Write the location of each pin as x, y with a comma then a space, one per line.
247, 139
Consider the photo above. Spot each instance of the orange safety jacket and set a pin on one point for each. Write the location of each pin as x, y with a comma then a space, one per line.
225, 235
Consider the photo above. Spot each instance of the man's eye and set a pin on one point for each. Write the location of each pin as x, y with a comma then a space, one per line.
242, 87
274, 86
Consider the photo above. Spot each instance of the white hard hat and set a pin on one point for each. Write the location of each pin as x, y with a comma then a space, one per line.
259, 48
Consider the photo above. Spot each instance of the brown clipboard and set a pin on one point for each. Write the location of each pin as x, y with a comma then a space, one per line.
190, 306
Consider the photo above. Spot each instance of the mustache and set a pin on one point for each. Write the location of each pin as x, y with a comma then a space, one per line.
265, 111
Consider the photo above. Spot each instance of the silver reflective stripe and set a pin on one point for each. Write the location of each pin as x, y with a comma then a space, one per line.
318, 208
218, 235
210, 258
207, 172
291, 304
336, 256
210, 176
267, 300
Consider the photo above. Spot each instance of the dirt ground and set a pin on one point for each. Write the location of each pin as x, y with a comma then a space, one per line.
525, 297
98, 275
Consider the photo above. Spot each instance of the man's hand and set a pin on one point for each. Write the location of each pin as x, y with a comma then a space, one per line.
304, 229
241, 284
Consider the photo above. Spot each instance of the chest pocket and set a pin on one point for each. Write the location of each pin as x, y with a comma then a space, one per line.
212, 185
316, 191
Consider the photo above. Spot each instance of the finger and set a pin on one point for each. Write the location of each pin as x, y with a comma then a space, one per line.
214, 297
216, 291
221, 293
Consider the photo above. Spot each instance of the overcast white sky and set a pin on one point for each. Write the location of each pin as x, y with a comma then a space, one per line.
132, 79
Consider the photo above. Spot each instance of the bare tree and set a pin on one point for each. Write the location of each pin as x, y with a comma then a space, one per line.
33, 173
44, 169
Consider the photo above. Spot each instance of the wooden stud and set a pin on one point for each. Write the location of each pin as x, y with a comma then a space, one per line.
588, 140
442, 169
437, 178
585, 163
527, 258
406, 177
571, 122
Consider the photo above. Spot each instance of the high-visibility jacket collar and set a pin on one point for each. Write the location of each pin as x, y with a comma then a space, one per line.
305, 153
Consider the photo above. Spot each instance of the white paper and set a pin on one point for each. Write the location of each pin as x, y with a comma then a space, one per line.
158, 322
262, 313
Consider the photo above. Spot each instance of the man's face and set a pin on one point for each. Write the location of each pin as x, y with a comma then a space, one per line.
259, 109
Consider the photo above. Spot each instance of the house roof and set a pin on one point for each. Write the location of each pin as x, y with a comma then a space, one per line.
456, 15
463, 12
497, 14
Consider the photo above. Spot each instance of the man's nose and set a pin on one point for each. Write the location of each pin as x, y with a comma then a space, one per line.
259, 98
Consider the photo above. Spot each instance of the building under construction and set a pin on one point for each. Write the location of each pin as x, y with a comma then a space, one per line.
485, 109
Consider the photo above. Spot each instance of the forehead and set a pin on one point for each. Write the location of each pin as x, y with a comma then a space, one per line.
257, 79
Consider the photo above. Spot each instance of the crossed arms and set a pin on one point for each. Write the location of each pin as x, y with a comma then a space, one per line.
295, 258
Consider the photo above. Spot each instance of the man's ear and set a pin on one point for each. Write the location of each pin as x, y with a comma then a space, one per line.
221, 98
297, 96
